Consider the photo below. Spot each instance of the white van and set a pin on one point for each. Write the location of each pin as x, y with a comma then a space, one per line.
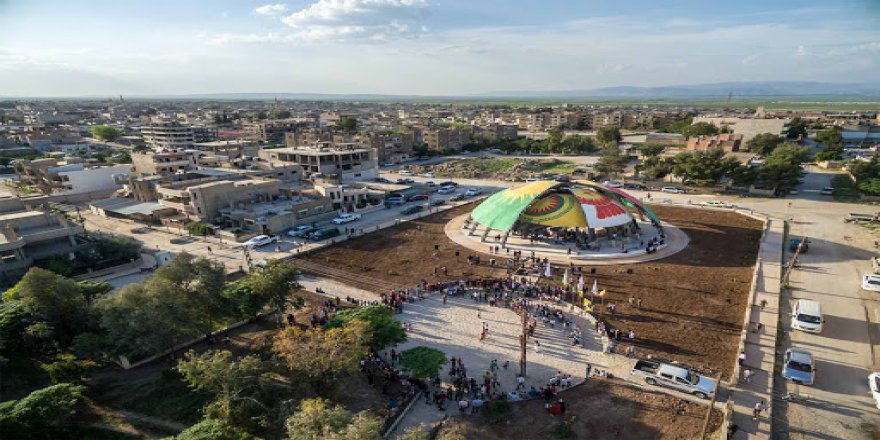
807, 316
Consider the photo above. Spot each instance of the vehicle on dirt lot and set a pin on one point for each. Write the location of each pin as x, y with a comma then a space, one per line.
346, 218
430, 184
634, 186
675, 377
715, 204
798, 366
381, 180
405, 173
448, 183
612, 184
856, 218
871, 282
672, 190
795, 242
260, 240
301, 231
806, 315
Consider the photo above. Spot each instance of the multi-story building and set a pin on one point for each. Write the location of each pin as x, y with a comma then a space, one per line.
600, 120
390, 147
748, 127
272, 132
446, 139
169, 135
27, 235
347, 161
164, 161
728, 142
52, 176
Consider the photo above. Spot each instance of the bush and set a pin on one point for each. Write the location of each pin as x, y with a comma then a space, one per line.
67, 369
383, 329
422, 361
497, 410
212, 429
36, 414
198, 228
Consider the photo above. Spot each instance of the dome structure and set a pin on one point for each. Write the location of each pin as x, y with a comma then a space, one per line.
580, 204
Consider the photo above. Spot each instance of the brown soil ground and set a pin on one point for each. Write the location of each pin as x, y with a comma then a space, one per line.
600, 409
693, 302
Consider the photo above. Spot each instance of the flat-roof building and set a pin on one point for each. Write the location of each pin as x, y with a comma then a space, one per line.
347, 161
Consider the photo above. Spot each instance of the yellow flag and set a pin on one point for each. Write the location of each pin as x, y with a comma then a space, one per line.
602, 293
588, 306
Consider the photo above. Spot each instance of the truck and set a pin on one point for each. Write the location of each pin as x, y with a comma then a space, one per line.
854, 217
676, 377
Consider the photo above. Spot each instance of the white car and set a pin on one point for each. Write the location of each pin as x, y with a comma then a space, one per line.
612, 184
446, 190
346, 218
715, 204
871, 282
473, 192
429, 175
260, 240
301, 231
405, 173
827, 191
672, 190
388, 164
874, 385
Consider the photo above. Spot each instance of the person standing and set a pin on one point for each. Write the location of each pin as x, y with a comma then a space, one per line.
741, 359
759, 408
589, 370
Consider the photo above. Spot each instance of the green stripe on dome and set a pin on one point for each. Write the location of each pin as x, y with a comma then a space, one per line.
502, 209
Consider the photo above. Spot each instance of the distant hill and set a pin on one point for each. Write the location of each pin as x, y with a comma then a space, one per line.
716, 90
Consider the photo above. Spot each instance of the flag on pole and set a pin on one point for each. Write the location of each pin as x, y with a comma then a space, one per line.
580, 284
595, 287
547, 271
565, 280
602, 293
588, 305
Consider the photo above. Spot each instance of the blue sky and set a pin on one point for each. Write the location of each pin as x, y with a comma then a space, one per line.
439, 47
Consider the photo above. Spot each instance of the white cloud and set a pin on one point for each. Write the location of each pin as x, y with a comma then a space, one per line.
272, 9
377, 20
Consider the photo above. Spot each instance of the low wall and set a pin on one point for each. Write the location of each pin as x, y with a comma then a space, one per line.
136, 264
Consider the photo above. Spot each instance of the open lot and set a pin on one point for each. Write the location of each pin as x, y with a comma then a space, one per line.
693, 302
601, 409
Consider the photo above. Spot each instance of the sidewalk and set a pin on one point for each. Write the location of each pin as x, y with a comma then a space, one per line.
760, 347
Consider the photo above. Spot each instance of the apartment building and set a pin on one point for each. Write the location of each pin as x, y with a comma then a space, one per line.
26, 236
600, 120
51, 176
164, 161
747, 127
347, 161
165, 134
390, 147
446, 139
728, 142
272, 132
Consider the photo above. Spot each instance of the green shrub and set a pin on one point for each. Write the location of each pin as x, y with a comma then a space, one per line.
67, 369
497, 410
198, 228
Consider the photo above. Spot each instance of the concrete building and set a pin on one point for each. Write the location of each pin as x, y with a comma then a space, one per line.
56, 177
272, 132
446, 139
728, 142
26, 236
346, 161
164, 161
169, 135
747, 127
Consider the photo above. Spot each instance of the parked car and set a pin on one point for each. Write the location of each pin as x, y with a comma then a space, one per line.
875, 264
408, 180
381, 180
874, 385
405, 173
458, 197
715, 204
430, 184
301, 231
418, 197
533, 179
612, 184
388, 164
260, 240
827, 191
807, 316
798, 366
871, 282
638, 186
672, 190
676, 377
412, 209
470, 192
438, 202
324, 233
795, 242
429, 175
562, 178
395, 200
446, 190
400, 181
346, 218
448, 183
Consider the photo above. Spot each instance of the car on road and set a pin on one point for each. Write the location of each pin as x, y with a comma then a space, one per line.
430, 184
428, 175
260, 240
874, 385
871, 282
301, 231
533, 179
418, 197
827, 191
381, 180
412, 209
798, 366
448, 183
612, 184
446, 190
395, 200
438, 202
470, 192
324, 233
346, 218
388, 164
675, 377
715, 204
638, 186
458, 197
672, 190
405, 173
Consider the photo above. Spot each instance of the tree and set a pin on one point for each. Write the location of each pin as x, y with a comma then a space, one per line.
653, 167
554, 140
830, 138
608, 134
281, 114
422, 362
610, 160
93, 290
235, 383
383, 329
347, 124
213, 429
319, 355
414, 433
13, 322
703, 168
789, 153
67, 369
797, 129
198, 228
54, 299
40, 412
701, 129
652, 149
317, 420
578, 145
870, 186
105, 132
829, 154
764, 143
273, 284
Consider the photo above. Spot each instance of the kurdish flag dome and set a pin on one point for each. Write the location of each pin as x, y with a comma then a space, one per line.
580, 204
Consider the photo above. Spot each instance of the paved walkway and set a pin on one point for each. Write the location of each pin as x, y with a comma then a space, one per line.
760, 347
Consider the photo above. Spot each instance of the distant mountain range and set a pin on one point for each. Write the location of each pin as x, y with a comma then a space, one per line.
717, 90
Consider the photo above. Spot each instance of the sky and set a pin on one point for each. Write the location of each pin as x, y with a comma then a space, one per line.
426, 47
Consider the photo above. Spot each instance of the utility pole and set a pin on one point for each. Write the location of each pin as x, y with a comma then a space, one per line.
711, 407
524, 338
793, 261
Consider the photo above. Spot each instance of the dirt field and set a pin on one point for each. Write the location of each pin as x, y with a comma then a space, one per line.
693, 302
602, 409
